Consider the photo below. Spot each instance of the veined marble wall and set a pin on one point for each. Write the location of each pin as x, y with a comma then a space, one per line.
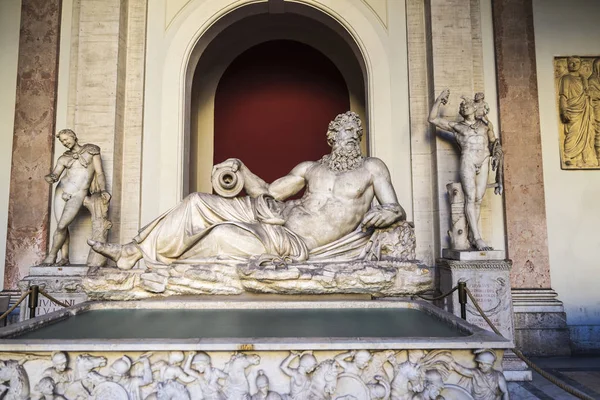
10, 18
34, 128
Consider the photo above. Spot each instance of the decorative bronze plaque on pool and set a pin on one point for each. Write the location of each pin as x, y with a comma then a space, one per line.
577, 82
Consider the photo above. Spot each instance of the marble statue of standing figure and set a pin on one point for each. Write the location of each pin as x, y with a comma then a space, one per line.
479, 146
576, 115
594, 93
82, 177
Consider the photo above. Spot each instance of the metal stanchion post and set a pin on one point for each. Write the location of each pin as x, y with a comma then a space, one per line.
33, 300
462, 299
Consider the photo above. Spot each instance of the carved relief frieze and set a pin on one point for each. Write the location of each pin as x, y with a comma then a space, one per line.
270, 375
577, 82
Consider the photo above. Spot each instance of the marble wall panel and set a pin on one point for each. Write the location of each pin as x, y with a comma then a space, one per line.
422, 136
521, 141
28, 213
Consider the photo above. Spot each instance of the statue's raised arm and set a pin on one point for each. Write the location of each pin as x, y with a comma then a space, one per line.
434, 114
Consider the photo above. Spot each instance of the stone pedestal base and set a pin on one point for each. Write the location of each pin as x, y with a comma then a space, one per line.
489, 281
515, 370
540, 323
63, 283
473, 255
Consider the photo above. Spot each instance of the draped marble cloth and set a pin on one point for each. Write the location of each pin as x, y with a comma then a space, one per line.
180, 235
594, 92
579, 132
484, 386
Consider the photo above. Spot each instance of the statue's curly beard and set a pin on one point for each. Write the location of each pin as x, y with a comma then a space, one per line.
343, 159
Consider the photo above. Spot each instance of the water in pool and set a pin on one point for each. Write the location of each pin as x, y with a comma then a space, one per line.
266, 323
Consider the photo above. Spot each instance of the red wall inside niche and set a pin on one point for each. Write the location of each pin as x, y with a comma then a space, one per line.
273, 105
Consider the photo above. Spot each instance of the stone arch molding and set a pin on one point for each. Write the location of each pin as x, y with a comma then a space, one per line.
170, 55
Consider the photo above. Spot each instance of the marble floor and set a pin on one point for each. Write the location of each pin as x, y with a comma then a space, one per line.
581, 372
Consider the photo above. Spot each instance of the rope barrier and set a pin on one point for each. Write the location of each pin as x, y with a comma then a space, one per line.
15, 305
551, 378
24, 296
462, 288
454, 289
52, 299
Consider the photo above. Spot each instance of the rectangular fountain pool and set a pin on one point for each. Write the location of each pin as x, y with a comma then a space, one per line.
234, 325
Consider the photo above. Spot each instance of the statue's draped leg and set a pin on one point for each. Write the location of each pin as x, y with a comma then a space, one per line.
243, 231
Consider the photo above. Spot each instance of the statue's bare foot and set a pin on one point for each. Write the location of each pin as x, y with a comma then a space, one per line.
49, 260
63, 262
482, 246
130, 254
109, 250
125, 256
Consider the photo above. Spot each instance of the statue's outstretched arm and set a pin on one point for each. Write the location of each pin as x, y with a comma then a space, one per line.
434, 115
56, 172
464, 371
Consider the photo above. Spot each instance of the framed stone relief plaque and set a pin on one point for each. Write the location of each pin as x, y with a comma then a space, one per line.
577, 82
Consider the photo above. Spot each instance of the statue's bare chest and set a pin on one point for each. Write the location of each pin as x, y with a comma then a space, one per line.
475, 133
349, 184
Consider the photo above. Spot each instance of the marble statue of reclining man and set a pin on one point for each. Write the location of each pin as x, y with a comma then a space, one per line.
334, 218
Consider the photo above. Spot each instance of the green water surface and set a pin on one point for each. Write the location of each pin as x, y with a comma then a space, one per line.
271, 323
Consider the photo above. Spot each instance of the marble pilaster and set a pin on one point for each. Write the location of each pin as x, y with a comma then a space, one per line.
539, 317
422, 135
35, 110
106, 104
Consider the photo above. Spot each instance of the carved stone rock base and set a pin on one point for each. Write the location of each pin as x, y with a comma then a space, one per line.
382, 278
63, 283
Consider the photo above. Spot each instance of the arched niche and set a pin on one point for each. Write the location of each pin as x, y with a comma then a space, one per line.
239, 38
174, 51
